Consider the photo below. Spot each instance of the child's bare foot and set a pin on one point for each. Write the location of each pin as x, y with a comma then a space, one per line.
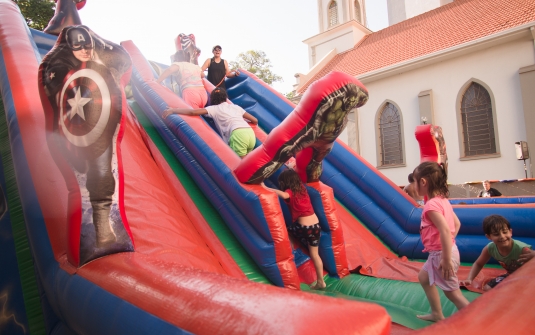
318, 285
430, 317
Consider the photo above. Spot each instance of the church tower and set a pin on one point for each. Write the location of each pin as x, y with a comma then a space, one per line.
335, 12
401, 10
342, 24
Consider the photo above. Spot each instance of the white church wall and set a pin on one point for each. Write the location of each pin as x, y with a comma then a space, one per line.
417, 7
340, 43
396, 11
400, 10
497, 68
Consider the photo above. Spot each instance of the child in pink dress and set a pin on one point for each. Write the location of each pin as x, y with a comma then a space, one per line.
438, 229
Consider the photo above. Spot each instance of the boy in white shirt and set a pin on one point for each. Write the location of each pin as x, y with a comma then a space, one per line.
229, 119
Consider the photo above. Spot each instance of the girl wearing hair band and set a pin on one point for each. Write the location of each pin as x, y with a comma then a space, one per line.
188, 76
438, 229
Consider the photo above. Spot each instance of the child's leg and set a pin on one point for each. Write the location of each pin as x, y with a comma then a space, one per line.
432, 295
457, 298
318, 265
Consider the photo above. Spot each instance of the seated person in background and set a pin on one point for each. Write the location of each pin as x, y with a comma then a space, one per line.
411, 191
218, 68
488, 191
228, 118
188, 76
511, 254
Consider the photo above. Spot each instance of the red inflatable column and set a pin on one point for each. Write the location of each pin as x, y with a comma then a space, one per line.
312, 127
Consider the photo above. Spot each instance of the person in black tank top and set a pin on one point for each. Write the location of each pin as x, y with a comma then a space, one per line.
216, 72
218, 68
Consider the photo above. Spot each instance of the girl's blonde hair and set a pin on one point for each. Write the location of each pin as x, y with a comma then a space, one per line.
436, 177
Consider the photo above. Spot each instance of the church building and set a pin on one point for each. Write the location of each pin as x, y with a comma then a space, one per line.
465, 65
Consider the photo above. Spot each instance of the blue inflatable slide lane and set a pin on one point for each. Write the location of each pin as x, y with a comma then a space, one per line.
370, 196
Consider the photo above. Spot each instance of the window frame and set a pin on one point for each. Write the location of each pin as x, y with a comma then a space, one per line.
357, 10
329, 16
379, 145
460, 129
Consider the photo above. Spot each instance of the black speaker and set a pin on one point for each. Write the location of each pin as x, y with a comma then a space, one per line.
522, 151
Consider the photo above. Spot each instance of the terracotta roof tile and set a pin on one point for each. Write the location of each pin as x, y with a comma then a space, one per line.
458, 22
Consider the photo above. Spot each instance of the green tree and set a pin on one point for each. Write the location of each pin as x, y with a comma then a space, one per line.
37, 12
256, 62
290, 95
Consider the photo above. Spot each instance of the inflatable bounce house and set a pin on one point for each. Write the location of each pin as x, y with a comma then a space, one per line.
115, 220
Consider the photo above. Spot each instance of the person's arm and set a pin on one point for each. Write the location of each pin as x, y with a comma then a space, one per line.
496, 193
280, 193
526, 255
229, 73
446, 264
457, 224
249, 117
183, 111
205, 66
477, 266
170, 70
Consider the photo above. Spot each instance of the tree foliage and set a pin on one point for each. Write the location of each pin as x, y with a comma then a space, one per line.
290, 95
37, 12
256, 62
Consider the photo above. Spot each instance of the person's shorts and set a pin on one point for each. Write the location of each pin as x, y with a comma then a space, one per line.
307, 235
242, 141
435, 274
195, 97
497, 280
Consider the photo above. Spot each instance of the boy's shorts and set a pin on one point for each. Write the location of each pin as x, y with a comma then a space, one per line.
242, 141
435, 274
308, 235
495, 281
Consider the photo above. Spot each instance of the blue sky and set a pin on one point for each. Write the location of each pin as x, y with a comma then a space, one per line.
276, 27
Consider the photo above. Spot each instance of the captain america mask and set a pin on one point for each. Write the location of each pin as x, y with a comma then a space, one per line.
78, 39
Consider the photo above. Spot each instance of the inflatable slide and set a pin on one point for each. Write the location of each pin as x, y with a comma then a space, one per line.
178, 278
177, 271
183, 132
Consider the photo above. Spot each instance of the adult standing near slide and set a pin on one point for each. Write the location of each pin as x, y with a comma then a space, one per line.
218, 68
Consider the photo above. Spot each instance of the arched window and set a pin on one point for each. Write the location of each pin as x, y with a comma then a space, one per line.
357, 12
477, 121
390, 136
333, 14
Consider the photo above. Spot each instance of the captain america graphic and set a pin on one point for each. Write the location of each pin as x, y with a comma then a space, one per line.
81, 79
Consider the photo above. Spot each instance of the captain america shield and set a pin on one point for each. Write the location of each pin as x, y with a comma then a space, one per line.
89, 106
